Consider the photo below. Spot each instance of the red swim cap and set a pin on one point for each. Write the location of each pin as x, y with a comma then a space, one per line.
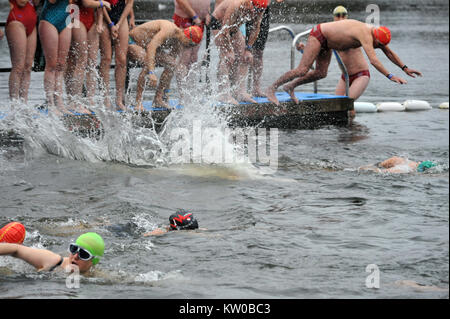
195, 33
382, 34
262, 4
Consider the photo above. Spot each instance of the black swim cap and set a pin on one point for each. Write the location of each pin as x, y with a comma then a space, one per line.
182, 219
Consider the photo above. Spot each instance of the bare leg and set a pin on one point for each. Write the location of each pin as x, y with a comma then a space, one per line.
241, 69
257, 67
105, 64
121, 50
321, 71
188, 57
78, 62
50, 44
17, 41
31, 49
137, 54
91, 74
169, 63
226, 60
64, 40
311, 53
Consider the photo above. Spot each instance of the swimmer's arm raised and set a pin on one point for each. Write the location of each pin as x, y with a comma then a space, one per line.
39, 258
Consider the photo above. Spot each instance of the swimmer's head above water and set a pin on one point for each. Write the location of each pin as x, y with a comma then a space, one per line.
181, 220
425, 165
87, 250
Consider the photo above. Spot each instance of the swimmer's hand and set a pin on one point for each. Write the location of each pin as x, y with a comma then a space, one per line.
300, 47
115, 32
398, 80
132, 23
412, 73
152, 80
100, 28
107, 5
248, 57
156, 232
1, 34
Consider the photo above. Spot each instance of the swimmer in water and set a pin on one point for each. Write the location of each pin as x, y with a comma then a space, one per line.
181, 220
84, 254
399, 165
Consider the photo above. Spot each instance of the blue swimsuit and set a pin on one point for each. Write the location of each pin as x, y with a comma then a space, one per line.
56, 14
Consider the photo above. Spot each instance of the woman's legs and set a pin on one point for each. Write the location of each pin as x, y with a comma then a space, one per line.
91, 76
17, 42
76, 69
105, 63
121, 50
31, 49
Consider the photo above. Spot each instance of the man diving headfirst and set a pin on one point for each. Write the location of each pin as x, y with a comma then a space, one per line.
340, 35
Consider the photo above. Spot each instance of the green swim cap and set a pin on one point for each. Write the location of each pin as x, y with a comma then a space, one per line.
423, 166
94, 244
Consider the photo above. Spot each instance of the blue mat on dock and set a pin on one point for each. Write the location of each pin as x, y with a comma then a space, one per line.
283, 97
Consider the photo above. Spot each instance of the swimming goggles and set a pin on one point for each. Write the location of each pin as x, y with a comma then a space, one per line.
340, 15
83, 254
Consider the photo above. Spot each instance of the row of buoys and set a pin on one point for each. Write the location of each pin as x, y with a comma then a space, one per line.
409, 105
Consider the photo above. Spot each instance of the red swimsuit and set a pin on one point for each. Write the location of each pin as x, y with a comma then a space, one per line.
87, 17
25, 15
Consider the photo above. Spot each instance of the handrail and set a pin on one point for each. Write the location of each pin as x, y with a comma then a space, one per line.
285, 28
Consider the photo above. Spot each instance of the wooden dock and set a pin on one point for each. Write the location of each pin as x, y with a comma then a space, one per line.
313, 111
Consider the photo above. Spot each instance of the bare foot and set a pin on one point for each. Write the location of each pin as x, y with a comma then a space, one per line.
228, 99
121, 107
245, 97
59, 111
291, 93
270, 93
162, 104
107, 103
79, 108
259, 93
139, 108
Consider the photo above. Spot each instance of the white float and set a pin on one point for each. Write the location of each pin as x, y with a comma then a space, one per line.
390, 107
417, 105
444, 106
365, 107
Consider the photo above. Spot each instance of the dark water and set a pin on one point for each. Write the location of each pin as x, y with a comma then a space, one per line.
307, 231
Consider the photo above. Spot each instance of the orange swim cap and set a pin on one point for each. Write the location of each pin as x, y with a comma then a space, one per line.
382, 34
261, 4
195, 33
